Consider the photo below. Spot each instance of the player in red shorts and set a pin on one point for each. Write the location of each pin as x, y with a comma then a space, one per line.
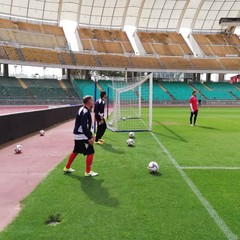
193, 108
83, 137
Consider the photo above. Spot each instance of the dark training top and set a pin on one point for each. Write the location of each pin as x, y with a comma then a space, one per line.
83, 124
99, 109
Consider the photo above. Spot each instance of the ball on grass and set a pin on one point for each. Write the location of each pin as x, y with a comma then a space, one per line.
130, 142
131, 135
153, 167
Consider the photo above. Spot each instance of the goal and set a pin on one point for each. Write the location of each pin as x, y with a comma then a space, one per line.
132, 105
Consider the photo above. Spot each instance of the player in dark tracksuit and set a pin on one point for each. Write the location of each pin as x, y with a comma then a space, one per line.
99, 107
83, 137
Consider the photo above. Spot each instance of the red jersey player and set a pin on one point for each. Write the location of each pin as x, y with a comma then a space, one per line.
193, 108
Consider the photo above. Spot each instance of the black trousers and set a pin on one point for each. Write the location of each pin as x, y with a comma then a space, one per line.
101, 128
195, 113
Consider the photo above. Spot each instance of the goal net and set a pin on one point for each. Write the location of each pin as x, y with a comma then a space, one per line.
132, 105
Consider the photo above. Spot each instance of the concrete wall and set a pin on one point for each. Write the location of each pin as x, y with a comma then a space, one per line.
17, 125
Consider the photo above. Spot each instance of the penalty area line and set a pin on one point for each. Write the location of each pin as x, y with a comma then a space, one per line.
218, 220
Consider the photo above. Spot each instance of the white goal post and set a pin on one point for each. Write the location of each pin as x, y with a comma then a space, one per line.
132, 105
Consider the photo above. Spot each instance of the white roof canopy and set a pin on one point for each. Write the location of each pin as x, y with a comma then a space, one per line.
146, 15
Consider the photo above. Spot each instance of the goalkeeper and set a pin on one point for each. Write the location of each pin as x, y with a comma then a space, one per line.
99, 107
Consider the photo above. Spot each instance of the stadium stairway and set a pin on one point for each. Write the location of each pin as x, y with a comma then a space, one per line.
61, 59
25, 87
206, 86
63, 86
236, 86
19, 52
235, 96
166, 91
99, 87
198, 91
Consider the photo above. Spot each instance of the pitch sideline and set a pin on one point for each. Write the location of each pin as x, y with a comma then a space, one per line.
219, 221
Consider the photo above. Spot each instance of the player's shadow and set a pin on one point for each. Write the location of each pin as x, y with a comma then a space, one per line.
92, 187
209, 128
175, 135
108, 147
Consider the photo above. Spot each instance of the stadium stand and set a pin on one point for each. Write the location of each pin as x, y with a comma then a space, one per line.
46, 44
12, 53
28, 34
85, 60
213, 90
3, 54
236, 93
113, 61
220, 91
106, 85
105, 41
159, 93
178, 62
230, 63
144, 62
41, 43
10, 88
180, 90
84, 87
164, 44
224, 48
206, 64
52, 90
69, 89
67, 58
40, 55
218, 44
45, 88
37, 91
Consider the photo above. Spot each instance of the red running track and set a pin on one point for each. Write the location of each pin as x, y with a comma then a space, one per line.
21, 173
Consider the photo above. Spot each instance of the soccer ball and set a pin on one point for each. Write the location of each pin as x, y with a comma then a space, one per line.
131, 134
110, 124
130, 142
153, 167
124, 118
41, 132
18, 148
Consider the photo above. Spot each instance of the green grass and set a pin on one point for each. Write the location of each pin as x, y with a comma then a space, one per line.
127, 202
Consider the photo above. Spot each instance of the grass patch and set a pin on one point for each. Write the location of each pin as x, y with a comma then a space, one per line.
127, 202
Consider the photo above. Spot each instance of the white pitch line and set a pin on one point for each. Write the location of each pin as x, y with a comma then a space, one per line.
219, 221
210, 168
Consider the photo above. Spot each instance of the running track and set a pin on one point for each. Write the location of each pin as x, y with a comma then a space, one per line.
21, 173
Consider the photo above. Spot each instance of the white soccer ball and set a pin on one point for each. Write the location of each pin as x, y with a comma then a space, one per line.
124, 118
41, 132
18, 148
153, 167
110, 124
131, 135
130, 142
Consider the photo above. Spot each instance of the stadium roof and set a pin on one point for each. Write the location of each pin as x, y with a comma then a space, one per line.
146, 15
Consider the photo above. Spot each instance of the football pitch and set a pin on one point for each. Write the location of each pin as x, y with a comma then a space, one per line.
195, 195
